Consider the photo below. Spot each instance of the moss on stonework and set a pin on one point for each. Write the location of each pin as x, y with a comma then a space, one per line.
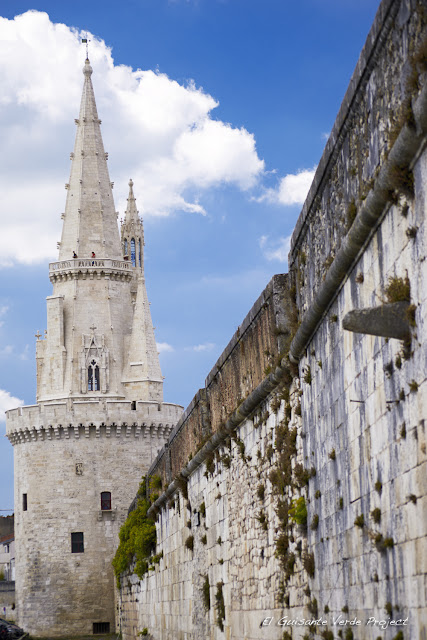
137, 539
220, 605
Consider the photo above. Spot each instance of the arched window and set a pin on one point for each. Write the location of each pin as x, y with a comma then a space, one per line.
93, 377
106, 501
126, 247
139, 252
132, 251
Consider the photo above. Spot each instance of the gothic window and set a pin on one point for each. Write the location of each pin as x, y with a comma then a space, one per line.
139, 252
126, 246
132, 252
106, 501
77, 543
93, 381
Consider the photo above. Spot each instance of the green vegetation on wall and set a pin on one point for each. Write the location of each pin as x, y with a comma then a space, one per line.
137, 539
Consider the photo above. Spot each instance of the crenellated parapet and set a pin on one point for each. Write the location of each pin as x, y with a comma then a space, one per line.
91, 419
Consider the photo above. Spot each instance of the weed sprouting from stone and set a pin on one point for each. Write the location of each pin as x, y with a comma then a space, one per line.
398, 290
360, 521
376, 515
206, 593
189, 543
220, 605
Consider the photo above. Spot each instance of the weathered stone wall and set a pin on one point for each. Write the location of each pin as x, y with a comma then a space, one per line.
253, 352
232, 529
375, 107
308, 502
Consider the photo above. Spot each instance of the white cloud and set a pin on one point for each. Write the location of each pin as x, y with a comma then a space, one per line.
291, 190
157, 131
164, 346
8, 402
207, 346
7, 350
275, 249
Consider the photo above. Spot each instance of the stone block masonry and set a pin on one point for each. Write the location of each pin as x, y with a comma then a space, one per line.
296, 489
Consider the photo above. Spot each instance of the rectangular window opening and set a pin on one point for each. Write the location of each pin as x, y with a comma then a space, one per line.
101, 627
24, 502
106, 501
77, 542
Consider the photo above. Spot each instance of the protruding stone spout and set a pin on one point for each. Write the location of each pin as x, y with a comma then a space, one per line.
387, 320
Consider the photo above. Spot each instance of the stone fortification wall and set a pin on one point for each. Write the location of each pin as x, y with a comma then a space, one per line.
309, 500
376, 106
253, 352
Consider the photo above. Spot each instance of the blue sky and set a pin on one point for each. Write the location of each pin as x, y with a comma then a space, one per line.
218, 109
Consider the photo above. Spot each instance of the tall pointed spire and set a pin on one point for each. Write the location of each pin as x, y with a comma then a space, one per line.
90, 224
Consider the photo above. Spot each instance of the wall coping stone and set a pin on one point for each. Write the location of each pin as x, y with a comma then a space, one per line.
266, 294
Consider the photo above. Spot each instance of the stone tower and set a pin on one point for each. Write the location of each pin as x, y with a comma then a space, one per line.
100, 418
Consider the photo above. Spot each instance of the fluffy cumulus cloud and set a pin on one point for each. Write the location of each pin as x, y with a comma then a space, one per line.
157, 131
8, 402
276, 248
291, 190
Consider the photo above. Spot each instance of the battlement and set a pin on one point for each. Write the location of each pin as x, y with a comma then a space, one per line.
71, 418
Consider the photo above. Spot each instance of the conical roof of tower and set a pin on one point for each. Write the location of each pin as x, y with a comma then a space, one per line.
90, 223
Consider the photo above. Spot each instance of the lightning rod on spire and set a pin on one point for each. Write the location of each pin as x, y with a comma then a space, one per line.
86, 42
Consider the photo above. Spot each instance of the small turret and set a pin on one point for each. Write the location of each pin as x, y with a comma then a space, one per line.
142, 376
132, 232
